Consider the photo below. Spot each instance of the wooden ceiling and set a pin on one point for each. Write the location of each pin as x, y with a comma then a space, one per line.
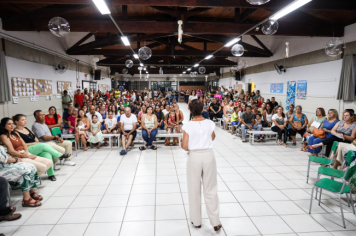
207, 25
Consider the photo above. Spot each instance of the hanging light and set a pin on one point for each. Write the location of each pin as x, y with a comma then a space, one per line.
160, 71
196, 65
237, 50
208, 57
129, 63
124, 71
135, 56
270, 27
145, 53
202, 70
334, 47
59, 26
189, 69
257, 2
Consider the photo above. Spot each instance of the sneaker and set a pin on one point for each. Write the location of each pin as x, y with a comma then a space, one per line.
69, 163
123, 152
57, 167
244, 140
257, 139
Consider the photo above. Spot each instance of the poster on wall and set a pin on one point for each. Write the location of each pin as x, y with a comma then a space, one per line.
279, 88
290, 94
273, 88
302, 89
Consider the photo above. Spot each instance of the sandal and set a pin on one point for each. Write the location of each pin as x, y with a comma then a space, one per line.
216, 228
285, 145
52, 178
311, 147
153, 147
35, 196
85, 149
294, 144
10, 217
28, 203
142, 148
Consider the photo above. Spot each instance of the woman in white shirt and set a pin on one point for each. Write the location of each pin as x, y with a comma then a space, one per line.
279, 125
198, 135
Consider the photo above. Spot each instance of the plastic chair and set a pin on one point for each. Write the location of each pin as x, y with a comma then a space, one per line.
325, 161
338, 188
57, 131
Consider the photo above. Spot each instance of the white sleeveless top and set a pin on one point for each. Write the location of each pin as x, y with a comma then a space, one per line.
199, 134
269, 117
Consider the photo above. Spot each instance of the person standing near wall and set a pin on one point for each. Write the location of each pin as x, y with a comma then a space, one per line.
66, 100
78, 99
198, 136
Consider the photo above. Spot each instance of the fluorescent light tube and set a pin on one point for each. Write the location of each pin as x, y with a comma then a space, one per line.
189, 69
141, 64
144, 68
184, 72
289, 8
125, 40
102, 7
196, 65
235, 40
208, 57
135, 56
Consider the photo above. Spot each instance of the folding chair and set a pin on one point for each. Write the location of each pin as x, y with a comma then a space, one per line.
338, 188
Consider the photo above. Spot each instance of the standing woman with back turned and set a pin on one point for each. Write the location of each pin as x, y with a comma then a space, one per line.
198, 136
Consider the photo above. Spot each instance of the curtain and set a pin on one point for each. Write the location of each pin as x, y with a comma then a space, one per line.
346, 90
5, 93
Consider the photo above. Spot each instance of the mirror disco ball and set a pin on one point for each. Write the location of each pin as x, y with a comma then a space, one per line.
257, 2
237, 50
129, 63
270, 27
195, 74
145, 53
334, 47
59, 26
202, 70
192, 74
124, 71
242, 64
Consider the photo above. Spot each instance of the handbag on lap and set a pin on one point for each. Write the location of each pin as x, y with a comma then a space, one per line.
319, 133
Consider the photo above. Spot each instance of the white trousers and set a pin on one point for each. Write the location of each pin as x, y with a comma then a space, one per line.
201, 169
343, 148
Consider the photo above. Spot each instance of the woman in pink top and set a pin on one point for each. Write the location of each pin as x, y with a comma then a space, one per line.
198, 93
217, 95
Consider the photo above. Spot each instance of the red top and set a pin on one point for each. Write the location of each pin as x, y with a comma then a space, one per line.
259, 104
51, 121
79, 99
128, 95
108, 95
16, 144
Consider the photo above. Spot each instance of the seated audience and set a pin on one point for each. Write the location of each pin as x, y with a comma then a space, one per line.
228, 110
180, 118
42, 132
20, 175
160, 118
103, 114
344, 131
96, 136
149, 129
110, 124
297, 124
71, 121
215, 109
326, 126
267, 116
7, 212
280, 125
53, 119
140, 114
81, 136
66, 113
93, 112
248, 121
342, 150
234, 119
128, 124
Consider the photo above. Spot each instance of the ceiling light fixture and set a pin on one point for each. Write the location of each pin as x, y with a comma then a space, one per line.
235, 40
102, 7
184, 72
189, 69
208, 57
135, 56
141, 64
125, 40
289, 8
196, 65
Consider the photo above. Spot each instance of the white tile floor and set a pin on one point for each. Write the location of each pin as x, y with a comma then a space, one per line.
262, 191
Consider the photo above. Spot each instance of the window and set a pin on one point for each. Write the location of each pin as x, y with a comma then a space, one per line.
192, 83
88, 85
139, 85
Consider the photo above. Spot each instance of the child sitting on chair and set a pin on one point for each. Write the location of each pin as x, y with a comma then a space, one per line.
80, 125
258, 121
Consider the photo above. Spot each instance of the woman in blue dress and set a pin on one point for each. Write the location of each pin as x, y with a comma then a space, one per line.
327, 126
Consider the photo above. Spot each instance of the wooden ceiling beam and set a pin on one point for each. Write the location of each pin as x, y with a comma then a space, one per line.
164, 53
285, 28
341, 5
257, 40
77, 44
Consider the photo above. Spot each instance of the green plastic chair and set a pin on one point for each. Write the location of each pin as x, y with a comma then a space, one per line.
57, 131
325, 161
337, 188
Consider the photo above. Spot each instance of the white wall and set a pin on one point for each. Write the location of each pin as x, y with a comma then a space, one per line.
26, 69
322, 85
